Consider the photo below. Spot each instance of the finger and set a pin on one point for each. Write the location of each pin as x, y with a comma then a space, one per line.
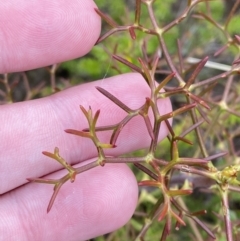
41, 32
98, 202
28, 128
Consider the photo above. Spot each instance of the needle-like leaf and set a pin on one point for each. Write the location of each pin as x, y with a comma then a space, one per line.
104, 16
114, 99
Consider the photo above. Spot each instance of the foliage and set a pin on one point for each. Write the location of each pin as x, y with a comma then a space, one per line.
185, 188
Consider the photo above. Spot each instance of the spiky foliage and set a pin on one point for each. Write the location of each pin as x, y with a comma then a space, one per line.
203, 110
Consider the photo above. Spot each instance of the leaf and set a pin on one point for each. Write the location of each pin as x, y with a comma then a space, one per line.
196, 72
164, 212
108, 19
178, 218
181, 192
79, 133
127, 63
114, 99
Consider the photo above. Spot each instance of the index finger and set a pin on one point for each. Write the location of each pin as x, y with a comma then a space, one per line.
40, 33
30, 127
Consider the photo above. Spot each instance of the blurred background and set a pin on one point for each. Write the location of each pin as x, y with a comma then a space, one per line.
198, 38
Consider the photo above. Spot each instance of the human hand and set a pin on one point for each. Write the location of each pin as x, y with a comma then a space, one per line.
41, 33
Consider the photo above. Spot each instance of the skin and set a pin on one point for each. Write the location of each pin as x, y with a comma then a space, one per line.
101, 200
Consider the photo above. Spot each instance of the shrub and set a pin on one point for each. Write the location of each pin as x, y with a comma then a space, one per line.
191, 48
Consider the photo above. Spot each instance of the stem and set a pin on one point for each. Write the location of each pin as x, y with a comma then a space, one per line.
226, 215
169, 60
159, 33
191, 222
197, 130
231, 14
207, 133
211, 80
53, 78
